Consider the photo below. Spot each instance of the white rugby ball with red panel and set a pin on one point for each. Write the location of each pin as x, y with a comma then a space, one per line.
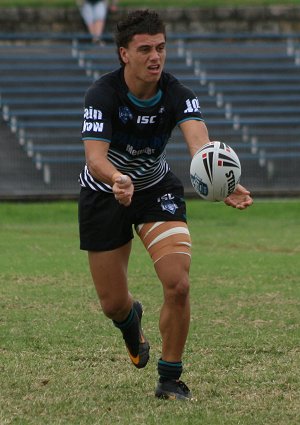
215, 171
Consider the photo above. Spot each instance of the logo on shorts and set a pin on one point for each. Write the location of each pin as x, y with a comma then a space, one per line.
167, 203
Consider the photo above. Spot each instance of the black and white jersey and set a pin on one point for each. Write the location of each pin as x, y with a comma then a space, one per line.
137, 131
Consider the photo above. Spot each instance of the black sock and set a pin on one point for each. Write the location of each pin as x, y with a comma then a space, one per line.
126, 322
130, 330
169, 370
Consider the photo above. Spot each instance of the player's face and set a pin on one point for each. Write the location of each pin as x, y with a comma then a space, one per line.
144, 57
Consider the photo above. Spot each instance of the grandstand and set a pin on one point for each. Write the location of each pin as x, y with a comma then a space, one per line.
248, 87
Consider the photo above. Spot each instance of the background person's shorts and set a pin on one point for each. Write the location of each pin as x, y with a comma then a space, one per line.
105, 225
92, 13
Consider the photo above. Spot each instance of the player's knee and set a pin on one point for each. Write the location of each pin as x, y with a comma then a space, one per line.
177, 290
114, 309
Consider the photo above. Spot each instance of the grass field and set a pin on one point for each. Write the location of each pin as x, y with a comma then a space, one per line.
62, 362
153, 3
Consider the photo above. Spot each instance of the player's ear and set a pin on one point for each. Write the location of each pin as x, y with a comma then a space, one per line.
123, 54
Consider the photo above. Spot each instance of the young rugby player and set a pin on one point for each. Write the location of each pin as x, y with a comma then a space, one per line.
128, 119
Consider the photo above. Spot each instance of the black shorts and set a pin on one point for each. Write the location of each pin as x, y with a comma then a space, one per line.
105, 225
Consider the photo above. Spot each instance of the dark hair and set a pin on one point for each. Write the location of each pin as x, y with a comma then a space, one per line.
138, 22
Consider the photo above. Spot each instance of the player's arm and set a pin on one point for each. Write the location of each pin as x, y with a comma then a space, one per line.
96, 135
98, 164
103, 170
195, 134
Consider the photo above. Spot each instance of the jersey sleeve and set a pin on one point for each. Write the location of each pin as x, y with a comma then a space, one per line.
186, 104
97, 116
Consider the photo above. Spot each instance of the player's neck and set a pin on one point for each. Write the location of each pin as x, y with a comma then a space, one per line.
140, 89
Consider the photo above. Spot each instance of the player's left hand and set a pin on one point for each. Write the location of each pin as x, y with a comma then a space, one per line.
239, 199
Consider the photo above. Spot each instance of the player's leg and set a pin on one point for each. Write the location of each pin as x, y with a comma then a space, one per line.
173, 272
106, 233
109, 272
168, 242
169, 246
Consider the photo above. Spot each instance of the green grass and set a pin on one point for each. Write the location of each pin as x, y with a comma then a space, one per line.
153, 3
62, 362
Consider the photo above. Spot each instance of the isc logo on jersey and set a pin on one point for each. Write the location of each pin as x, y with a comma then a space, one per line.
146, 119
92, 114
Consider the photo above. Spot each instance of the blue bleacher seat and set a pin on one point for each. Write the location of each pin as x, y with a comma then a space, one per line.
248, 87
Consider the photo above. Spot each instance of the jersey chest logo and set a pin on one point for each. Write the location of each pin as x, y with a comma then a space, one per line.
125, 114
146, 119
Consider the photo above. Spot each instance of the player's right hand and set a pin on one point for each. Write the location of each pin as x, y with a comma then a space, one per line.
123, 189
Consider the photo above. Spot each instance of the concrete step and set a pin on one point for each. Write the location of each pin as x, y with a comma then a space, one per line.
18, 174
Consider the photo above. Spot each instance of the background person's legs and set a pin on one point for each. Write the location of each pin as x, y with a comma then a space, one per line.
94, 18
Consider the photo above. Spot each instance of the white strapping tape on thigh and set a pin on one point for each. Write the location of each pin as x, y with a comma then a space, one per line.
165, 237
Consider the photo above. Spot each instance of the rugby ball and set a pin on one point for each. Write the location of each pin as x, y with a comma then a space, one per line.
215, 171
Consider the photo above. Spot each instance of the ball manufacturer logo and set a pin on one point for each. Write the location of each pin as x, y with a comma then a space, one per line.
230, 181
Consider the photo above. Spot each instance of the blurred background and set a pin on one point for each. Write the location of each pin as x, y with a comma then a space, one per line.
242, 59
